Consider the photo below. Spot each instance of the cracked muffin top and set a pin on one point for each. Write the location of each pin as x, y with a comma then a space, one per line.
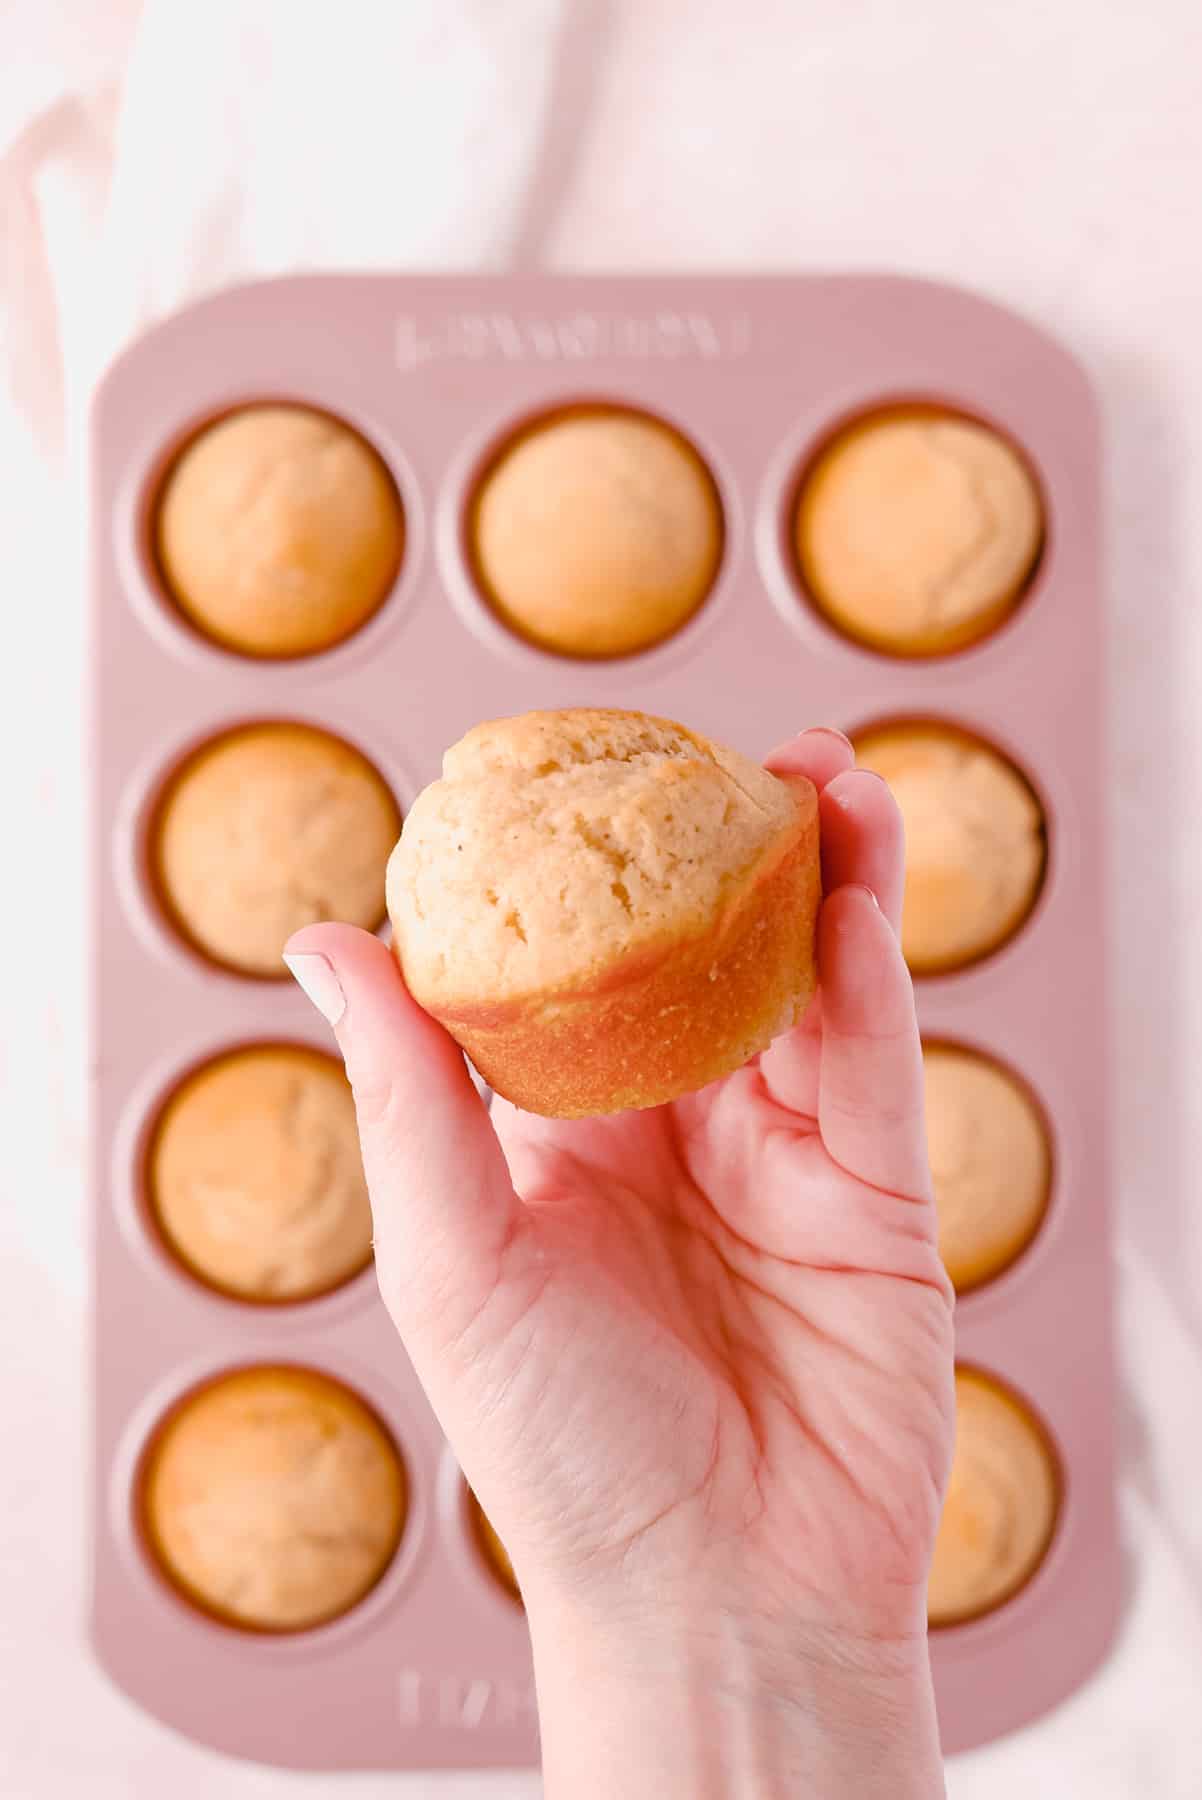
917, 530
267, 828
279, 531
555, 842
596, 532
254, 1174
273, 1497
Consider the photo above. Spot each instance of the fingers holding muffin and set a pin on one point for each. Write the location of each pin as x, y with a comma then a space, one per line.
861, 840
606, 911
861, 826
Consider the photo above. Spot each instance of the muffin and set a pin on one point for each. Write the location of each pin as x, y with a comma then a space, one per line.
491, 1547
596, 532
254, 1175
604, 909
278, 531
917, 531
267, 828
1001, 1505
990, 1159
975, 842
273, 1498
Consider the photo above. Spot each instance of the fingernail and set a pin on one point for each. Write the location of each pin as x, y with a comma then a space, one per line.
315, 977
829, 731
862, 887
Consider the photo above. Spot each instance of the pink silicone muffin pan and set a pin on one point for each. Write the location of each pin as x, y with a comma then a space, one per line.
432, 1667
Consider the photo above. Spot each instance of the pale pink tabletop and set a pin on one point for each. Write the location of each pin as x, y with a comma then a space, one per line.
161, 151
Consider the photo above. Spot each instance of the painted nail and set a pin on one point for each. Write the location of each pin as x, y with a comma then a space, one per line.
314, 975
829, 731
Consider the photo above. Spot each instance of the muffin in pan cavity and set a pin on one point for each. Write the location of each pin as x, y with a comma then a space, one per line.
267, 827
917, 530
253, 1175
991, 1161
1001, 1506
976, 839
596, 531
272, 1498
277, 531
490, 1548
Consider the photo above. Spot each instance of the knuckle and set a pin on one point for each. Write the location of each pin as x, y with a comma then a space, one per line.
375, 1093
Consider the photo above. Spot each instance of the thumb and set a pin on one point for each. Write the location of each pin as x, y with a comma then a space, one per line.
442, 1202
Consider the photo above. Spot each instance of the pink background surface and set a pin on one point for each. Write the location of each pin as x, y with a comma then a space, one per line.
150, 153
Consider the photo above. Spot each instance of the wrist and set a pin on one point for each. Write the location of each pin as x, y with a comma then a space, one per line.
708, 1711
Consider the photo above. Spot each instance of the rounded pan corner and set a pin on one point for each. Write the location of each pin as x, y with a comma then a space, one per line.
979, 1699
235, 1737
978, 310
196, 315
106, 1643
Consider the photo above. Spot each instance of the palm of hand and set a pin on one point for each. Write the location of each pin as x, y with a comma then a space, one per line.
716, 1342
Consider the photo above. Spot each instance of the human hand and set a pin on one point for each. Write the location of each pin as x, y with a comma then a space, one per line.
696, 1362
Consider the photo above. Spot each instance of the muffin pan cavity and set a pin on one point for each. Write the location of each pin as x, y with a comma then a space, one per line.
595, 531
262, 829
750, 505
253, 1178
272, 1498
276, 531
976, 839
916, 530
490, 1549
1002, 1504
991, 1162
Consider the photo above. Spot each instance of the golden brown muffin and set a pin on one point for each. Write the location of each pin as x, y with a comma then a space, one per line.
917, 530
605, 909
990, 1159
279, 531
493, 1550
596, 532
975, 844
1001, 1505
274, 1498
254, 1174
268, 828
